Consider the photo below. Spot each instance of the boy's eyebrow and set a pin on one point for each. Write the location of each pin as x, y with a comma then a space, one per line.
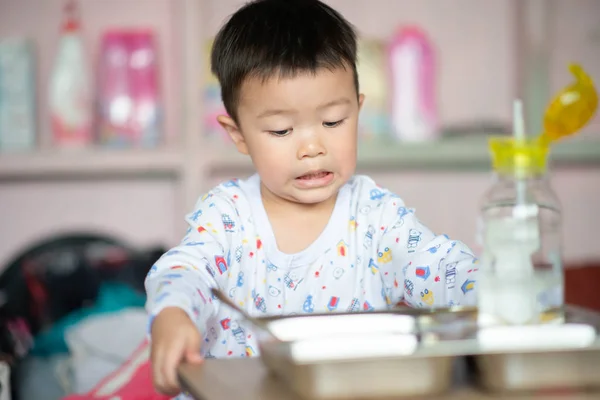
336, 102
269, 113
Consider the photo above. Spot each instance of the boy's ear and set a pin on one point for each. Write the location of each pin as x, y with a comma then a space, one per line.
234, 132
361, 100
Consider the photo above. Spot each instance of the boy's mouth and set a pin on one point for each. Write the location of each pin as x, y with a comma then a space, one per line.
314, 175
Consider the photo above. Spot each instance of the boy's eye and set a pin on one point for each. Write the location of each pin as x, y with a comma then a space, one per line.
332, 124
284, 132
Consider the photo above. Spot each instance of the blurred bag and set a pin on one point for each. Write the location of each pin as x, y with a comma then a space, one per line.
132, 381
54, 278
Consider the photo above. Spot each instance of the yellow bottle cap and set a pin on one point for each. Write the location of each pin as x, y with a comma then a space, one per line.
519, 157
568, 112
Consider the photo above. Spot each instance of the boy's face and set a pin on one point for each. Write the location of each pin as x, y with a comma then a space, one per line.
301, 132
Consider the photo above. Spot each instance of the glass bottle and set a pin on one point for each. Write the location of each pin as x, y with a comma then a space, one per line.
521, 271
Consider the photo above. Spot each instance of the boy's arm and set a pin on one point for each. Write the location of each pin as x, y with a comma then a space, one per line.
184, 275
422, 268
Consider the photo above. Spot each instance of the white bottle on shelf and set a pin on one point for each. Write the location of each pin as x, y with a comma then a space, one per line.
69, 89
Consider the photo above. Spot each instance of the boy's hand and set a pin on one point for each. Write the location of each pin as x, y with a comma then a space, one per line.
175, 338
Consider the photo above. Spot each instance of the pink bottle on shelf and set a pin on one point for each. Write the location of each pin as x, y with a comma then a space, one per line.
413, 95
143, 74
128, 99
113, 91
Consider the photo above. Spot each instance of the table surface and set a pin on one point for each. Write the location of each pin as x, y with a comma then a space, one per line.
248, 379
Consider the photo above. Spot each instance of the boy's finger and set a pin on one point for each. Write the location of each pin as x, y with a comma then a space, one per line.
192, 349
157, 376
193, 357
171, 361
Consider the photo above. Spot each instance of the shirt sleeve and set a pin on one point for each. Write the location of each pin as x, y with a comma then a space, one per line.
421, 268
184, 275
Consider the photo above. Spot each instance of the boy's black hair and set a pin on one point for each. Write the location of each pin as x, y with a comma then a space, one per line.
285, 37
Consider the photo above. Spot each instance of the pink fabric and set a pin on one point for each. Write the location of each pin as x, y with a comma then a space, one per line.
132, 381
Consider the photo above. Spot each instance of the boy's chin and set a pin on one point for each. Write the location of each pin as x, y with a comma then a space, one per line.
314, 196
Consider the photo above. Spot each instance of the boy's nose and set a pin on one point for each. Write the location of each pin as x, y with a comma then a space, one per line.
311, 148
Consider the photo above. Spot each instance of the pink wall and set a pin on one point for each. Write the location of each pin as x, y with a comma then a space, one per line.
477, 80
140, 212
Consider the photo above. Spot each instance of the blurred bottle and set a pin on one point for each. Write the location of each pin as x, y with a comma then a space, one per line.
212, 103
374, 121
144, 84
128, 99
114, 99
17, 95
69, 89
521, 272
413, 99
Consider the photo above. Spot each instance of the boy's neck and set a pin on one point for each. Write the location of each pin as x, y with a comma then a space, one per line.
308, 220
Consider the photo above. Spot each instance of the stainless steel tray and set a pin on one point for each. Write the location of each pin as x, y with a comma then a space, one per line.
408, 352
541, 358
390, 377
374, 355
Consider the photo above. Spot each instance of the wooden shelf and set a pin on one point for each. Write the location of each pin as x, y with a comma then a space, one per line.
86, 164
462, 153
447, 154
